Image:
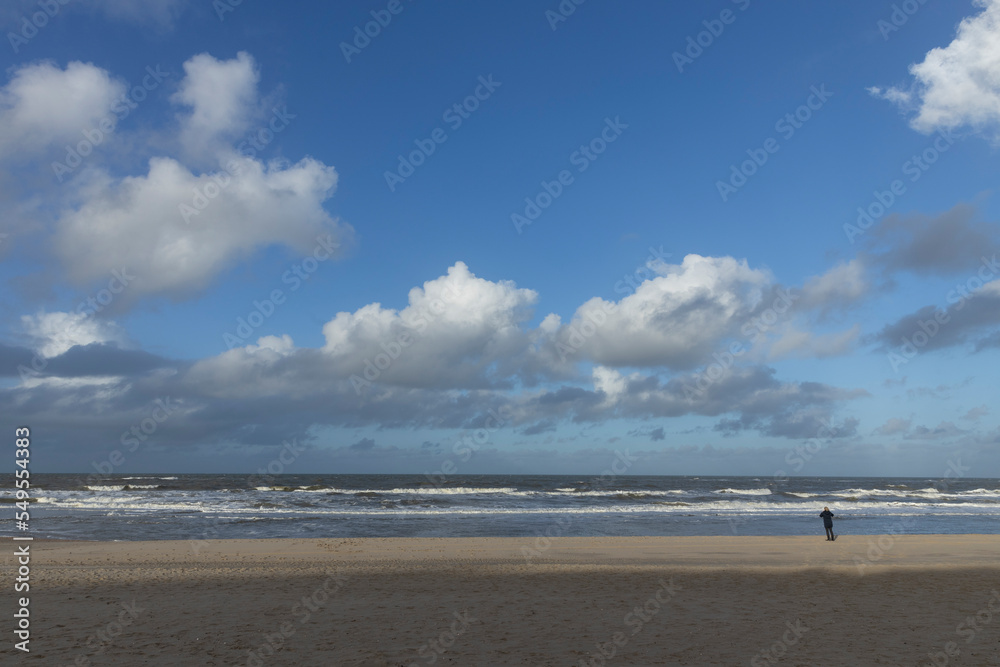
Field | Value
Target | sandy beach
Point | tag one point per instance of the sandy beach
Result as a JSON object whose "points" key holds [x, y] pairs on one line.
{"points": [[796, 601]]}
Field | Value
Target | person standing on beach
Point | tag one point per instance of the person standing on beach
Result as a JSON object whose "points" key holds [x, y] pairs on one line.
{"points": [[827, 516]]}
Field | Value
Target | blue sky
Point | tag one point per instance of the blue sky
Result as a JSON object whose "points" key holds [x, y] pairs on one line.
{"points": [[552, 235]]}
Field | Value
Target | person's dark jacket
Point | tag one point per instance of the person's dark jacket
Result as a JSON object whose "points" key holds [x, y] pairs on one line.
{"points": [[827, 518]]}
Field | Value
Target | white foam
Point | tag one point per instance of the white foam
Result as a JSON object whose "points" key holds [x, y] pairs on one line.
{"points": [[745, 492], [420, 491]]}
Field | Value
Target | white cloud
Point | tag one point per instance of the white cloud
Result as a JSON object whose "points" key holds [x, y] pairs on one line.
{"points": [[609, 381], [136, 223], [805, 344], [161, 12], [277, 345], [176, 229], [894, 426], [222, 96], [957, 85], [675, 319], [55, 333], [43, 105], [842, 285], [454, 328]]}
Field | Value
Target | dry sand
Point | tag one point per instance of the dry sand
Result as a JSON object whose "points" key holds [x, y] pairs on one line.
{"points": [[664, 600]]}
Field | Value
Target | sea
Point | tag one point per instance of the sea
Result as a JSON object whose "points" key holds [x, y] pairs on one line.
{"points": [[206, 506]]}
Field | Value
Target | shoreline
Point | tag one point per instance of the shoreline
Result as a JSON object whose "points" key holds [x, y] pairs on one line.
{"points": [[704, 551]]}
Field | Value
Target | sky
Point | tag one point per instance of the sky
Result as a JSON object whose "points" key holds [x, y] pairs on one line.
{"points": [[396, 236]]}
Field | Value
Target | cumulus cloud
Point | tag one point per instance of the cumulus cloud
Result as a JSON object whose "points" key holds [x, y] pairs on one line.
{"points": [[945, 244], [174, 227], [136, 223], [957, 85], [222, 100], [974, 310], [451, 358], [674, 320], [43, 105], [53, 334], [842, 286], [455, 328]]}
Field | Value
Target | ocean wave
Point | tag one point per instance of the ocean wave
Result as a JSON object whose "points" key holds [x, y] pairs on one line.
{"points": [[611, 493], [745, 492], [124, 487], [928, 493], [423, 490], [136, 504]]}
